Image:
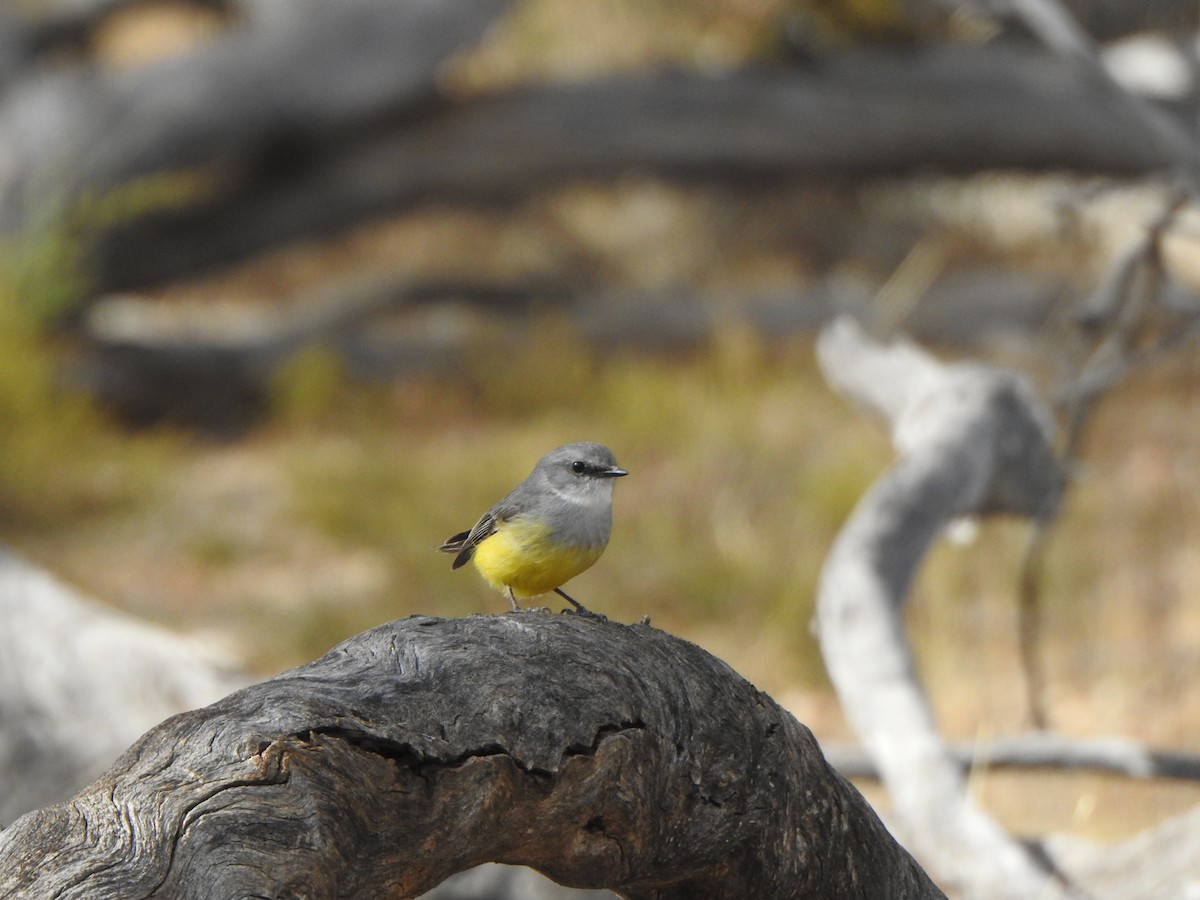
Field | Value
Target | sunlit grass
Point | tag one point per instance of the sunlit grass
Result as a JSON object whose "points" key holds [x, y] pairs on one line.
{"points": [[62, 459], [308, 388], [540, 40]]}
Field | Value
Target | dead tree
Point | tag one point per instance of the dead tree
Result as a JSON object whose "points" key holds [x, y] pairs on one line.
{"points": [[600, 754]]}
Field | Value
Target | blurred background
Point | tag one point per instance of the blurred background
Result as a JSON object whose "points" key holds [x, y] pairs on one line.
{"points": [[288, 295]]}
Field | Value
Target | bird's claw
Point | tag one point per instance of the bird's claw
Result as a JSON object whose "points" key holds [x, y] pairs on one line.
{"points": [[585, 613]]}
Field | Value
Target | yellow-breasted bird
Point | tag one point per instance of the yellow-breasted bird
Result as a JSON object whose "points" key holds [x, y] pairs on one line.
{"points": [[550, 527]]}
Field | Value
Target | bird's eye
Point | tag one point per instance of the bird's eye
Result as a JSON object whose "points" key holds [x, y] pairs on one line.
{"points": [[579, 466]]}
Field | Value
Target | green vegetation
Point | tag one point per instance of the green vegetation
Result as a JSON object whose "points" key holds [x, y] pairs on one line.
{"points": [[308, 387], [60, 457]]}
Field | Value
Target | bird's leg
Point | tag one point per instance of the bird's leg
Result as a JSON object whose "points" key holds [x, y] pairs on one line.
{"points": [[580, 609], [508, 592]]}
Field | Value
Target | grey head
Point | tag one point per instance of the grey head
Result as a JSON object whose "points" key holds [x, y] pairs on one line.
{"points": [[580, 471], [570, 487]]}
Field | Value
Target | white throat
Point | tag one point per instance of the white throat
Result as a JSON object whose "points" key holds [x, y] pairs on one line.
{"points": [[599, 494]]}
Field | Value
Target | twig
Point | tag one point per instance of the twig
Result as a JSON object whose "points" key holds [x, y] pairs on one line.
{"points": [[1043, 750]]}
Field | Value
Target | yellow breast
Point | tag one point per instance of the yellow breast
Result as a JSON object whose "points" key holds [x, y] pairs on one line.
{"points": [[521, 556]]}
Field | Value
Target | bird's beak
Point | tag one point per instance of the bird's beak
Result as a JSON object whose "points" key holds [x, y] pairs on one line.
{"points": [[613, 472]]}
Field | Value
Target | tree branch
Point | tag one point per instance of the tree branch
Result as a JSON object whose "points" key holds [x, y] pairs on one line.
{"points": [[962, 112], [302, 128]]}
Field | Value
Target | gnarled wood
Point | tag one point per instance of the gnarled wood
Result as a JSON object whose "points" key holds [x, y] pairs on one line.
{"points": [[600, 754]]}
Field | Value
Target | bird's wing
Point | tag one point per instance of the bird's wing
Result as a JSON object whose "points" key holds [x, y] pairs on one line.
{"points": [[455, 542], [465, 542]]}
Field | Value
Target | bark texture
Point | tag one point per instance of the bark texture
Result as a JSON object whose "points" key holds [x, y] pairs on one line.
{"points": [[603, 755]]}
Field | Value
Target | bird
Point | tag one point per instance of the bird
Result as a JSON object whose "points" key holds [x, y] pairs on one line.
{"points": [[548, 529]]}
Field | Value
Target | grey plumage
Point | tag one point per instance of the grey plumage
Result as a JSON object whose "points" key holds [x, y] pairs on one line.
{"points": [[557, 490], [569, 493]]}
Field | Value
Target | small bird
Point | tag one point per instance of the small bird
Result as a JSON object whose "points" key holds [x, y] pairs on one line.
{"points": [[550, 527]]}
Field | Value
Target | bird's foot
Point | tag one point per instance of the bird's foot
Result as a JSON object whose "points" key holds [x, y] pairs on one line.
{"points": [[580, 609]]}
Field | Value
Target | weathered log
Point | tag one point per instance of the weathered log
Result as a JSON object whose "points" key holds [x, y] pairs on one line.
{"points": [[600, 754], [224, 387], [313, 123]]}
